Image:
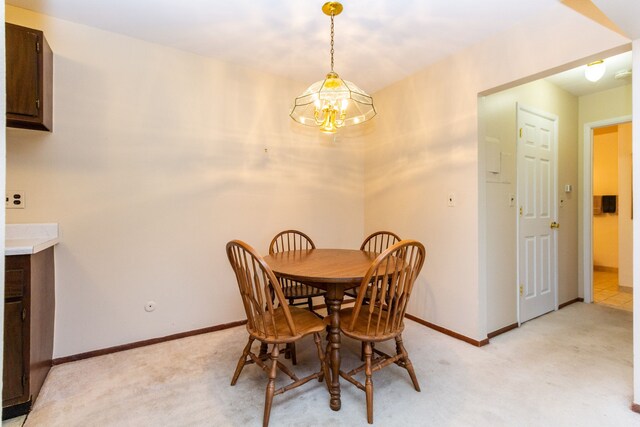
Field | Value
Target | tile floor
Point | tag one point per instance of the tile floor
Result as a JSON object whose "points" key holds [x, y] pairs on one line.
{"points": [[606, 291]]}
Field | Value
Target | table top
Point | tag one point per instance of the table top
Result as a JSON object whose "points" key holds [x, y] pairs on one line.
{"points": [[322, 266]]}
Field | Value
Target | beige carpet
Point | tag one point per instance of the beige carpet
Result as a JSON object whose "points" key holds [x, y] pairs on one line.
{"points": [[571, 367]]}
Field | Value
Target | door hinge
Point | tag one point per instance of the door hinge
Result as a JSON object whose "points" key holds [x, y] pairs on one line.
{"points": [[37, 46], [37, 104], [24, 380], [521, 290], [520, 210], [520, 132], [24, 314]]}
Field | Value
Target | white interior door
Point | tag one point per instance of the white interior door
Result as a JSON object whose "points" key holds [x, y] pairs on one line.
{"points": [[537, 240]]}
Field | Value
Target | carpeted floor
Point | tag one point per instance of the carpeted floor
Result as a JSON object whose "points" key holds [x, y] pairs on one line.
{"points": [[571, 367]]}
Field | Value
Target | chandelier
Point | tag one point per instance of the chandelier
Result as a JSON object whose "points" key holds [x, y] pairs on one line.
{"points": [[332, 103]]}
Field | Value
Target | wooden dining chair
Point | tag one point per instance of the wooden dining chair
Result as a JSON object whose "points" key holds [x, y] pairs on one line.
{"points": [[388, 284], [293, 240], [270, 324], [376, 242], [379, 241]]}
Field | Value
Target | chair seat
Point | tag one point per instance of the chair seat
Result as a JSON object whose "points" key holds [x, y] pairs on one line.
{"points": [[359, 331], [300, 290], [306, 323]]}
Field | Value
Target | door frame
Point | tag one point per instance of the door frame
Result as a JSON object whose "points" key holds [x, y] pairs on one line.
{"points": [[586, 260], [555, 118]]}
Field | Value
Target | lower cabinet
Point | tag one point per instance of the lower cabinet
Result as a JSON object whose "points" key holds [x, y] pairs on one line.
{"points": [[29, 308]]}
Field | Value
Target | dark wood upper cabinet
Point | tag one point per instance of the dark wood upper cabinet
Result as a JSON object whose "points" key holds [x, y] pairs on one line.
{"points": [[29, 79]]}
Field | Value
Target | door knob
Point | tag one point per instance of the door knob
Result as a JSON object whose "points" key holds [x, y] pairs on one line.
{"points": [[554, 225]]}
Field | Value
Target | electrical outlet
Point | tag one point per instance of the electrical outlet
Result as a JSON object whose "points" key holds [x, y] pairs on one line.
{"points": [[15, 200]]}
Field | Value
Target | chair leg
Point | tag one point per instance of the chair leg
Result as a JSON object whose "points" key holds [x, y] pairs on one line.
{"points": [[263, 351], [271, 385], [368, 385], [292, 352], [373, 346], [323, 364], [407, 363], [242, 361]]}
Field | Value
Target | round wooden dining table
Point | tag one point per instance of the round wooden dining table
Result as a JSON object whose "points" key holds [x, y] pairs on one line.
{"points": [[332, 270]]}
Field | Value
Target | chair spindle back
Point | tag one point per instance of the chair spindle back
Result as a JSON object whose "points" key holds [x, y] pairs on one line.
{"points": [[290, 240], [258, 287], [379, 241], [390, 280]]}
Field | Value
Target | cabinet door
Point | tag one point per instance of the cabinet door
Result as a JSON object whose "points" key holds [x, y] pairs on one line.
{"points": [[15, 375], [23, 92], [13, 379]]}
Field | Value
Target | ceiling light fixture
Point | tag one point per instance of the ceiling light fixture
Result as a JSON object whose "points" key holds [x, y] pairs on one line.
{"points": [[622, 74], [332, 103], [595, 70]]}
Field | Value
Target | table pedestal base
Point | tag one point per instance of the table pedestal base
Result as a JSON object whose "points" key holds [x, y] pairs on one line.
{"points": [[333, 299]]}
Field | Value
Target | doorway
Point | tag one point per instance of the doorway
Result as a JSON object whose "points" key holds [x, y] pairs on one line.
{"points": [[577, 107], [588, 193], [612, 228]]}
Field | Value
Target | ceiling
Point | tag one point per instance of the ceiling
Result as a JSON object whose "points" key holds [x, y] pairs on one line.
{"points": [[376, 42], [573, 81]]}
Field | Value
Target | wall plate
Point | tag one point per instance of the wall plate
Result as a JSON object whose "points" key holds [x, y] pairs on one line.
{"points": [[15, 200]]}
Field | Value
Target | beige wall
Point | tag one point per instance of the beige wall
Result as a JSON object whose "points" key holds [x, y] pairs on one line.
{"points": [[3, 168], [625, 221], [605, 182], [425, 146], [498, 114], [157, 159], [635, 148]]}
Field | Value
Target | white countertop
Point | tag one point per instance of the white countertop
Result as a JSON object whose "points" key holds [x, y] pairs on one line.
{"points": [[25, 239]]}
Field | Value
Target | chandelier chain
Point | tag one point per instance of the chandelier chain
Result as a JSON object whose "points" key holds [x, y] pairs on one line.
{"points": [[332, 14]]}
